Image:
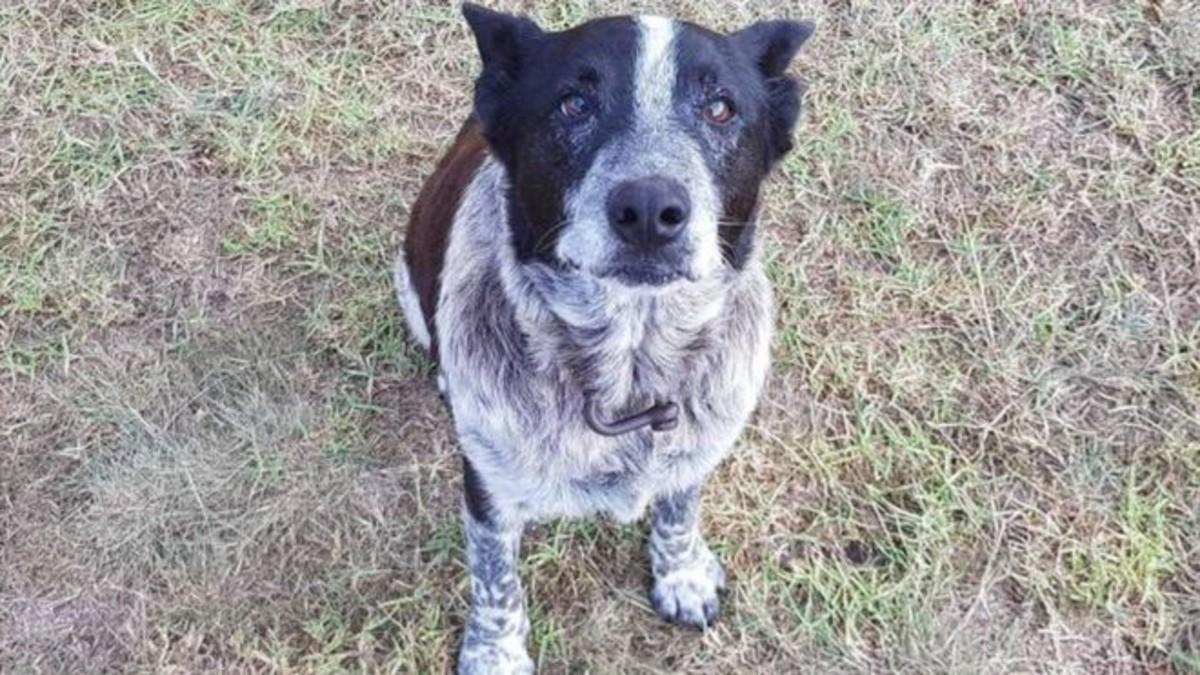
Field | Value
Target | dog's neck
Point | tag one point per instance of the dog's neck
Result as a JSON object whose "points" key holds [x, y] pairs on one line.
{"points": [[623, 345]]}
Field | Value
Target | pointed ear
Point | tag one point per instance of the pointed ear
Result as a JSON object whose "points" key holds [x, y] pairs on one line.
{"points": [[503, 39], [773, 44]]}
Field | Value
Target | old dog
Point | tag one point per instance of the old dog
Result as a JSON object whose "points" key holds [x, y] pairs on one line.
{"points": [[582, 267]]}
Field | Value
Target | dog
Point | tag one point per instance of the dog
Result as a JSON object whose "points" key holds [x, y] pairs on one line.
{"points": [[582, 268]]}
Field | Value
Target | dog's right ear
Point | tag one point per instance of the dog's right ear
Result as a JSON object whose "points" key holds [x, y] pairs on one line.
{"points": [[504, 40], [505, 45]]}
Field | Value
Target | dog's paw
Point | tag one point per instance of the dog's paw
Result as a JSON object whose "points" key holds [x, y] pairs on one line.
{"points": [[494, 658], [687, 595]]}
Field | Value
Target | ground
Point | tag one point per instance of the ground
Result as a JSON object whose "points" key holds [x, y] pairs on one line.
{"points": [[980, 446]]}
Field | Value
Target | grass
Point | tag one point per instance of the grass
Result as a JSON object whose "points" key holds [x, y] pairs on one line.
{"points": [[980, 447]]}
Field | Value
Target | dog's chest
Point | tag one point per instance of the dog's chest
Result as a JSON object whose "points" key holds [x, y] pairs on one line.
{"points": [[518, 396], [588, 472]]}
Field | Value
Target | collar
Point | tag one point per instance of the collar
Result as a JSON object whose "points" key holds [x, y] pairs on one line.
{"points": [[662, 416]]}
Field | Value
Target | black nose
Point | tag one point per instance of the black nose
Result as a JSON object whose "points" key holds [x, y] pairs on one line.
{"points": [[649, 211]]}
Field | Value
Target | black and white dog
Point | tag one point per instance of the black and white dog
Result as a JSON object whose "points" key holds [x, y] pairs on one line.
{"points": [[582, 267]]}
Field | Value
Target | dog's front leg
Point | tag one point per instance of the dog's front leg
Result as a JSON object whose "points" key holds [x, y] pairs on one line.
{"points": [[687, 575], [494, 640]]}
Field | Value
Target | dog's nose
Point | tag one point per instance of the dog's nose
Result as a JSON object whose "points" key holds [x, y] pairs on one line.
{"points": [[649, 211]]}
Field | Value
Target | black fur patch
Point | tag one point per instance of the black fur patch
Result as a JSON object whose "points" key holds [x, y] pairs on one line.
{"points": [[479, 502], [545, 151]]}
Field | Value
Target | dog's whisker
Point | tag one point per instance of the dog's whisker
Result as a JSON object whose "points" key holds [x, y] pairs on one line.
{"points": [[550, 233]]}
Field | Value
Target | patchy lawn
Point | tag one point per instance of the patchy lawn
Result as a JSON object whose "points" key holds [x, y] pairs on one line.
{"points": [[980, 450]]}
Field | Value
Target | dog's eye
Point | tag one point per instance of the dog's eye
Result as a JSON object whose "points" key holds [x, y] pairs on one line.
{"points": [[719, 111], [574, 106]]}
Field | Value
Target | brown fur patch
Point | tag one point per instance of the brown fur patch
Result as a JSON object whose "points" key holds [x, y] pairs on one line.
{"points": [[433, 216]]}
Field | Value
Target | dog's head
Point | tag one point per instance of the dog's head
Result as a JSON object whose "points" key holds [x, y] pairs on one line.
{"points": [[635, 147]]}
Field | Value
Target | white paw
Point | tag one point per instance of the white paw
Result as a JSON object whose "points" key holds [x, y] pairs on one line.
{"points": [[494, 658], [688, 595]]}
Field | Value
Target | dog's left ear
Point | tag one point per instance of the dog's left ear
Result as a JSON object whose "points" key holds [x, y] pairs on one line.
{"points": [[771, 45]]}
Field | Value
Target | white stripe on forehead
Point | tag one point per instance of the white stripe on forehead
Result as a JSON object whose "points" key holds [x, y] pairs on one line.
{"points": [[655, 82]]}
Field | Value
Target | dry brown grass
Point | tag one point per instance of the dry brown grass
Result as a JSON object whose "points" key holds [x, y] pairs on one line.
{"points": [[980, 451]]}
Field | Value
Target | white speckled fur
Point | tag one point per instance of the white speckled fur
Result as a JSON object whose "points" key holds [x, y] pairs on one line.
{"points": [[410, 304]]}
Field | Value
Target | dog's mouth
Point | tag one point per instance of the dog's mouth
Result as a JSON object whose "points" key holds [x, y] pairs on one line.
{"points": [[630, 273], [644, 274], [657, 268]]}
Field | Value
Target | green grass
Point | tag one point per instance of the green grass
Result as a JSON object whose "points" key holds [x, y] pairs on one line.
{"points": [[980, 448]]}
